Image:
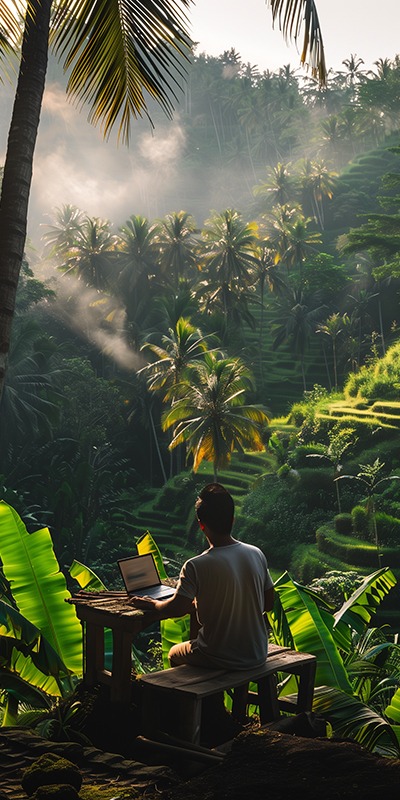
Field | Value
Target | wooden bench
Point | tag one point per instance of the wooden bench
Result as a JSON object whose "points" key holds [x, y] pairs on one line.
{"points": [[179, 691]]}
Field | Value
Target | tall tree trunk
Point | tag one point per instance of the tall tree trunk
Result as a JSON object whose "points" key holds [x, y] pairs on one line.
{"points": [[18, 164]]}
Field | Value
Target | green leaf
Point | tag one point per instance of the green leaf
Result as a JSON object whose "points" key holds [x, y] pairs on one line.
{"points": [[352, 719], [359, 608], [86, 578], [146, 544], [393, 709], [38, 586], [23, 691], [173, 631], [309, 628]]}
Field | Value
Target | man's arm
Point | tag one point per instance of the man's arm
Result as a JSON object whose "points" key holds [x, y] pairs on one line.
{"points": [[269, 599], [176, 606]]}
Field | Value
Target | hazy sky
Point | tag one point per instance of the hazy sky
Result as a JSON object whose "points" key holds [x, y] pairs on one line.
{"points": [[365, 28]]}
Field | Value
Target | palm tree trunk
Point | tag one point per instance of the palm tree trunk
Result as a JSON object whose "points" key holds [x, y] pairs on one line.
{"points": [[17, 176]]}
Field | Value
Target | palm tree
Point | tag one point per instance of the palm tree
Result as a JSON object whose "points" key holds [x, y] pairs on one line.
{"points": [[116, 52], [301, 242], [294, 323], [60, 236], [317, 183], [175, 238], [332, 327], [228, 256], [209, 414], [137, 261], [180, 349], [91, 254], [280, 188]]}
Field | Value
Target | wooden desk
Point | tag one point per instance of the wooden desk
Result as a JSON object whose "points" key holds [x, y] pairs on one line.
{"points": [[98, 611]]}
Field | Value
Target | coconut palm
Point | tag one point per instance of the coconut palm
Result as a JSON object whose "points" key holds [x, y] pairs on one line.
{"points": [[180, 348], [137, 263], [91, 255], [175, 239], [317, 183], [61, 235], [280, 187], [295, 321], [228, 257], [332, 327], [209, 414], [301, 243]]}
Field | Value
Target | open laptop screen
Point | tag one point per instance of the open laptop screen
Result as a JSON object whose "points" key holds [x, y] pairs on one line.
{"points": [[139, 572]]}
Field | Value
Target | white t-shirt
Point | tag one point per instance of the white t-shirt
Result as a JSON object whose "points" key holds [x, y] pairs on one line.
{"points": [[228, 585]]}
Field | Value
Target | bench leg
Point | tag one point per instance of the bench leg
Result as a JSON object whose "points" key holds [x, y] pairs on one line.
{"points": [[239, 704], [166, 712], [267, 699], [305, 692]]}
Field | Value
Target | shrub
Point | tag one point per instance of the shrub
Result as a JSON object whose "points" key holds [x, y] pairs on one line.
{"points": [[299, 457], [336, 586], [361, 521], [388, 528], [343, 523]]}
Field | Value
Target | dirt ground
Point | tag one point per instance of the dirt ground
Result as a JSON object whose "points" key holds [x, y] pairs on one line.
{"points": [[256, 763], [267, 763]]}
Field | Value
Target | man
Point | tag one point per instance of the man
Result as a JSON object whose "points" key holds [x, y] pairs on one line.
{"points": [[230, 587]]}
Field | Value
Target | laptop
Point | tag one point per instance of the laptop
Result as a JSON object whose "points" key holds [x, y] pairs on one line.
{"points": [[140, 576]]}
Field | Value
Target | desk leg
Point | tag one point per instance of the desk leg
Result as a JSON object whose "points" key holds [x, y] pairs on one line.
{"points": [[121, 689], [93, 653]]}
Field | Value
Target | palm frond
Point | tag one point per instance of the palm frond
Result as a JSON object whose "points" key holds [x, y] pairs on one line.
{"points": [[119, 50]]}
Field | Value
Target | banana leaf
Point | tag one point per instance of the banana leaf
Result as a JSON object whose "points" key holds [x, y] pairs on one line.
{"points": [[86, 578], [350, 718], [38, 586], [393, 709], [173, 631], [310, 633], [16, 631], [146, 544], [24, 692], [359, 608]]}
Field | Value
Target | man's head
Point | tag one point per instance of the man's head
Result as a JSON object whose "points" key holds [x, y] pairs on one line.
{"points": [[215, 509]]}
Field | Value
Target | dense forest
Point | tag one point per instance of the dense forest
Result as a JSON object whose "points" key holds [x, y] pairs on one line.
{"points": [[255, 340], [294, 284]]}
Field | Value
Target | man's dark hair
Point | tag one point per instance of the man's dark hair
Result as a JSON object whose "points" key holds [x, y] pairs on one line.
{"points": [[215, 508]]}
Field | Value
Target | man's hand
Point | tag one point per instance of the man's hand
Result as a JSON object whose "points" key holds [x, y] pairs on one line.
{"points": [[144, 603], [175, 606]]}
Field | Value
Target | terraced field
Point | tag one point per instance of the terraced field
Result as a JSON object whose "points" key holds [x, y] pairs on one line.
{"points": [[174, 535]]}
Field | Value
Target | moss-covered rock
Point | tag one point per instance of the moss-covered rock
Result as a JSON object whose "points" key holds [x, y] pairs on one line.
{"points": [[50, 769], [58, 791]]}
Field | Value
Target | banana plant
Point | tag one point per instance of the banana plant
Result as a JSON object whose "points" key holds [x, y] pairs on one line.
{"points": [[343, 694], [40, 635]]}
